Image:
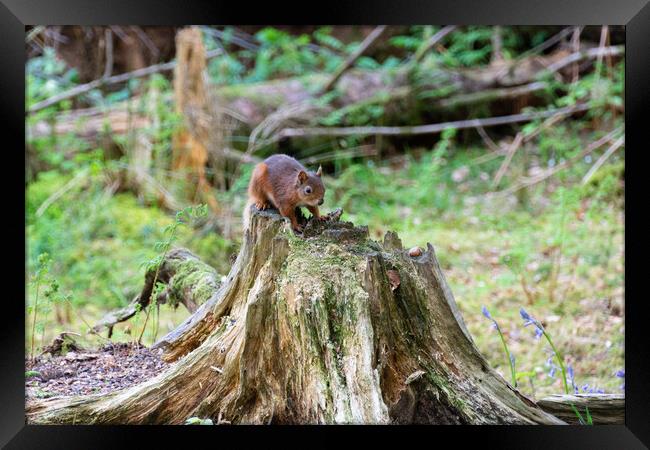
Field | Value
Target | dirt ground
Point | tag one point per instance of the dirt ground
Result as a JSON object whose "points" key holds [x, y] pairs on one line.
{"points": [[113, 367]]}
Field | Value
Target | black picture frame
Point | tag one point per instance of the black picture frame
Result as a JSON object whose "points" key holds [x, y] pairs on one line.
{"points": [[634, 14]]}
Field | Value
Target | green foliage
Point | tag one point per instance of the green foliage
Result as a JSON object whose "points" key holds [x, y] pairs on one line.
{"points": [[47, 75], [470, 48], [170, 232], [183, 217], [198, 421], [282, 55], [47, 290]]}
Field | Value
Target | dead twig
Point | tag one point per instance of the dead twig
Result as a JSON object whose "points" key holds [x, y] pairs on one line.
{"points": [[108, 43], [146, 40], [367, 42], [575, 46], [31, 35], [537, 49], [549, 173], [610, 151], [547, 43], [83, 88], [422, 129], [362, 150], [520, 138], [497, 44], [77, 179], [516, 143], [436, 38], [488, 140]]}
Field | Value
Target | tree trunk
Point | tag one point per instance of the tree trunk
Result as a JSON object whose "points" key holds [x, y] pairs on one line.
{"points": [[328, 327]]}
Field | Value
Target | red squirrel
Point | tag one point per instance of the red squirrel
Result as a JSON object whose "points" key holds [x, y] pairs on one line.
{"points": [[283, 183]]}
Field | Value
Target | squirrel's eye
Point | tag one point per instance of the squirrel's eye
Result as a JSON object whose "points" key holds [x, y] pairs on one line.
{"points": [[308, 190]]}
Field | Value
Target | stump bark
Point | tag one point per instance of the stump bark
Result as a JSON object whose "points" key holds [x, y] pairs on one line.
{"points": [[327, 327]]}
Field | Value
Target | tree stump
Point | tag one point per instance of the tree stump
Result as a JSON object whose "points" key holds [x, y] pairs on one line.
{"points": [[327, 327]]}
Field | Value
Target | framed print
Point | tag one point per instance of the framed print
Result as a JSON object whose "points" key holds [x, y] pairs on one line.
{"points": [[377, 214]]}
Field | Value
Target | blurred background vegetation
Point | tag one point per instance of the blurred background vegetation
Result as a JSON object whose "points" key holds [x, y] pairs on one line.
{"points": [[128, 125]]}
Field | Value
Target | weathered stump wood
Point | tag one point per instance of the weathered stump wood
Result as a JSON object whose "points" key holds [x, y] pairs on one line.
{"points": [[328, 327], [605, 409]]}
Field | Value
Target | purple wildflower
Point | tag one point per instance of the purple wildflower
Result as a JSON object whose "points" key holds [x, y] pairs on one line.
{"points": [[551, 373], [487, 314], [572, 378], [621, 374], [528, 320], [585, 387]]}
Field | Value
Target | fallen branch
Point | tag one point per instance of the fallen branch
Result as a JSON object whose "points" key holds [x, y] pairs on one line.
{"points": [[253, 103], [605, 409], [489, 95], [367, 42], [422, 129], [187, 279], [83, 88], [585, 54]]}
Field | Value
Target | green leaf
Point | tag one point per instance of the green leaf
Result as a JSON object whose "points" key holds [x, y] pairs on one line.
{"points": [[198, 421]]}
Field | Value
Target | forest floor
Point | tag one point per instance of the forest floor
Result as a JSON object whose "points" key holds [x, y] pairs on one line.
{"points": [[112, 367]]}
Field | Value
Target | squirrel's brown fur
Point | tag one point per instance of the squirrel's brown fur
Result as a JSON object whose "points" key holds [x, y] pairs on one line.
{"points": [[283, 183]]}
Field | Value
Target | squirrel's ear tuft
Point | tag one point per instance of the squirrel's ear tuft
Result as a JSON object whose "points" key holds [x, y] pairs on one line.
{"points": [[319, 172], [302, 176]]}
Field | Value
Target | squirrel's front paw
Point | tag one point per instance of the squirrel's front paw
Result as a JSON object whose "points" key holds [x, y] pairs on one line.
{"points": [[298, 228], [261, 206]]}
